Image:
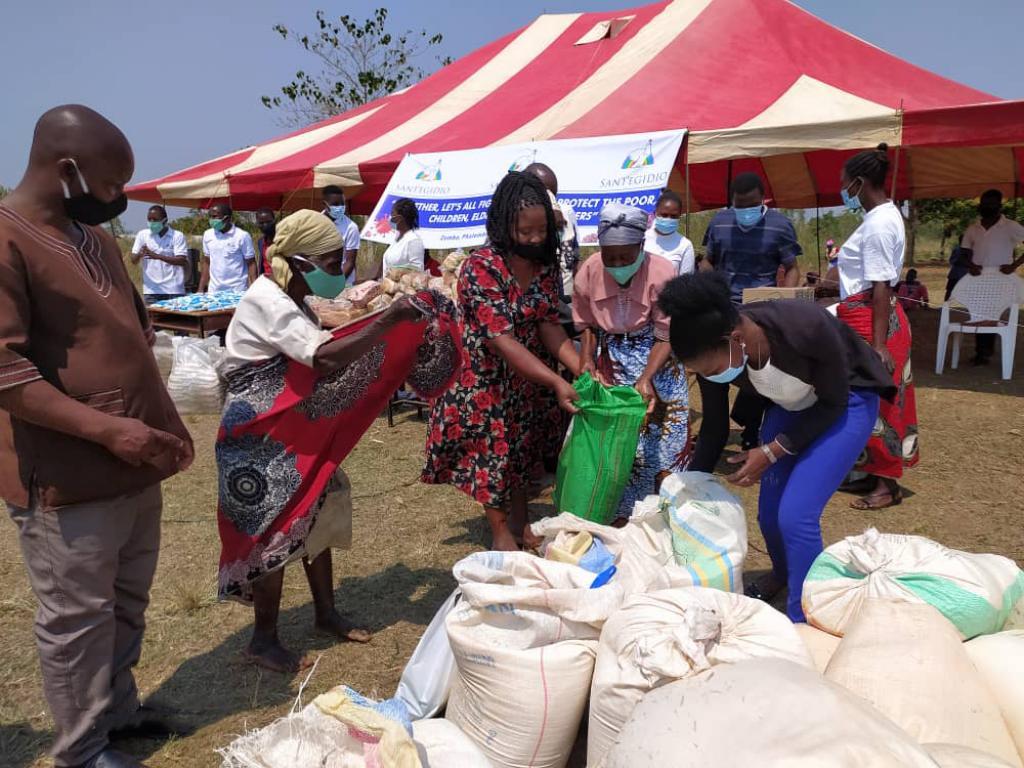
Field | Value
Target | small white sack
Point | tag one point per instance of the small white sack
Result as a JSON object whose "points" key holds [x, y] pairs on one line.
{"points": [[441, 744], [163, 351], [955, 756], [909, 662], [671, 635], [975, 592], [195, 384], [709, 529], [821, 645], [999, 660], [768, 713], [428, 676]]}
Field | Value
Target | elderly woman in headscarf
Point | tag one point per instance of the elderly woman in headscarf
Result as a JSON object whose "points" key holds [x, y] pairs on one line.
{"points": [[625, 341], [299, 398]]}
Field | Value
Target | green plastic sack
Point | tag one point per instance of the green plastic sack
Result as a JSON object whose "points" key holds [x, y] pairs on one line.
{"points": [[597, 458]]}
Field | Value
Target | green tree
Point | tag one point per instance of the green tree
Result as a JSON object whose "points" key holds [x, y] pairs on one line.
{"points": [[359, 61], [4, 191]]}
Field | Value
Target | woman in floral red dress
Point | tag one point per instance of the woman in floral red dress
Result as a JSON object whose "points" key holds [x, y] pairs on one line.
{"points": [[490, 431]]}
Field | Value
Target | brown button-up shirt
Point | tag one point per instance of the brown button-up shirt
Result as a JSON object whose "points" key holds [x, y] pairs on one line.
{"points": [[72, 317]]}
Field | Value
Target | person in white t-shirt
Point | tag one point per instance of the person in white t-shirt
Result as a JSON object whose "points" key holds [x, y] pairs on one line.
{"points": [[870, 264], [407, 250], [164, 255], [664, 238], [988, 243], [334, 209], [229, 258]]}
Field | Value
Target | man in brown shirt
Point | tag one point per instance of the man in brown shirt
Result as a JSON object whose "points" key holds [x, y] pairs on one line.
{"points": [[87, 430]]}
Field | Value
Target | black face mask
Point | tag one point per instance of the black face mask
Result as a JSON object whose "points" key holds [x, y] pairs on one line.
{"points": [[268, 230], [989, 211], [535, 252], [86, 208]]}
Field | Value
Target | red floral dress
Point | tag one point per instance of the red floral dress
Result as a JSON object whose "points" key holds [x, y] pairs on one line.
{"points": [[492, 431]]}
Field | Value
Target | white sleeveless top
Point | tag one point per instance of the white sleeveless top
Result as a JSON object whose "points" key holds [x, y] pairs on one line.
{"points": [[786, 391]]}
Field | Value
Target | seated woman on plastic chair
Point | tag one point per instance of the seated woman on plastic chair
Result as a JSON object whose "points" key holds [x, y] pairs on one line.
{"points": [[824, 384]]}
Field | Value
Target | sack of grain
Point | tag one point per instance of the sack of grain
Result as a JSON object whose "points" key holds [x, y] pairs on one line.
{"points": [[519, 693], [975, 592], [999, 659], [955, 756], [709, 529], [642, 548], [909, 662], [163, 351], [661, 637], [821, 645], [441, 744], [769, 713], [195, 384]]}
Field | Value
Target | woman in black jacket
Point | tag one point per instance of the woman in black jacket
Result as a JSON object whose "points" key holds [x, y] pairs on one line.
{"points": [[824, 383]]}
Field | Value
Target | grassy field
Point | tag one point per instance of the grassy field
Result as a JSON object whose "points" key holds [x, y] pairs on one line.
{"points": [[965, 493]]}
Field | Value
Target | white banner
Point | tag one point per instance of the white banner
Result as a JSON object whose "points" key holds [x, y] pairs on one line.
{"points": [[452, 190]]}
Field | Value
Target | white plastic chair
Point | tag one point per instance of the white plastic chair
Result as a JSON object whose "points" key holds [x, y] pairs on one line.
{"points": [[986, 297]]}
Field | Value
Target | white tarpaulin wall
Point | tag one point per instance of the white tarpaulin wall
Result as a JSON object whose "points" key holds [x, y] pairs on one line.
{"points": [[452, 190]]}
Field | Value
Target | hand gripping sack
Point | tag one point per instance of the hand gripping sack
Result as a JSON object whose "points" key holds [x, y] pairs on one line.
{"points": [[524, 640], [910, 663], [975, 592], [597, 458], [709, 529], [665, 636], [427, 677], [999, 659], [768, 713]]}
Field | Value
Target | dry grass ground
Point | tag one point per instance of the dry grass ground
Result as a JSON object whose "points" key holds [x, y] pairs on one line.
{"points": [[965, 493]]}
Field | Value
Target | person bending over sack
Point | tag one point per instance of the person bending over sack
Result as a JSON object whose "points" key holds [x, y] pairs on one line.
{"points": [[823, 383], [299, 398]]}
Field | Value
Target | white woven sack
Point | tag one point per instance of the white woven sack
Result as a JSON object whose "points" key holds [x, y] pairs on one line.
{"points": [[821, 645], [910, 663], [661, 637], [441, 744], [955, 756], [977, 593], [708, 529], [768, 713], [517, 695], [304, 738], [999, 659]]}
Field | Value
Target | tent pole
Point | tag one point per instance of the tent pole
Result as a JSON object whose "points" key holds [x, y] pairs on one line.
{"points": [[686, 164], [728, 185], [895, 171], [817, 234]]}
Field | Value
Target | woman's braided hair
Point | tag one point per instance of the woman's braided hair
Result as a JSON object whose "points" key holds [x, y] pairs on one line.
{"points": [[872, 165], [515, 192]]}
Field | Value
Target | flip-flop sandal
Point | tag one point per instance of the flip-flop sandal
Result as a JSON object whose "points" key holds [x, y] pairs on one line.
{"points": [[866, 503]]}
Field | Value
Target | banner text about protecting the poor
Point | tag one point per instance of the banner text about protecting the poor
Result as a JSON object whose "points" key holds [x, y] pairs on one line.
{"points": [[452, 190]]}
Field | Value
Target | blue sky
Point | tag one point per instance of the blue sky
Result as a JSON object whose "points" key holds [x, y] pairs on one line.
{"points": [[183, 79]]}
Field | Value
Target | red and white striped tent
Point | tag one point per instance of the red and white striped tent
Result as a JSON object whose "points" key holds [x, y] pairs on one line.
{"points": [[759, 84]]}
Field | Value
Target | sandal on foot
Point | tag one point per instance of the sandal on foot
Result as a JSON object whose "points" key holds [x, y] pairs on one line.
{"points": [[873, 501]]}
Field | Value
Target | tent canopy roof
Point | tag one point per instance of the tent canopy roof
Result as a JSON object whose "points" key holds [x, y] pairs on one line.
{"points": [[816, 94]]}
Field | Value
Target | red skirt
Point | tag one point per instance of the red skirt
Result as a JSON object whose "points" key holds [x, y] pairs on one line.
{"points": [[893, 444]]}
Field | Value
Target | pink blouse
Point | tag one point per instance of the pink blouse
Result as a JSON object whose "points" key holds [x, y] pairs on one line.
{"points": [[599, 303]]}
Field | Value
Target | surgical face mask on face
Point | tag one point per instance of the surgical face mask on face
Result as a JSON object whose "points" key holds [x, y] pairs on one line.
{"points": [[623, 275], [219, 225], [88, 209], [156, 227], [336, 211], [665, 225], [322, 284], [852, 202], [748, 217], [730, 373], [989, 211]]}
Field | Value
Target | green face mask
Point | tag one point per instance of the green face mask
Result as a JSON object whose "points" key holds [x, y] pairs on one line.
{"points": [[323, 284], [156, 227], [219, 225], [623, 275]]}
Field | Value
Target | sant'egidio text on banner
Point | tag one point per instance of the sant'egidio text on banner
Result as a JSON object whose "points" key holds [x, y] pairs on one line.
{"points": [[452, 190]]}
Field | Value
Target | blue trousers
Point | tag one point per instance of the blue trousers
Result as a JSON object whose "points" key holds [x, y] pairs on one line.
{"points": [[794, 492]]}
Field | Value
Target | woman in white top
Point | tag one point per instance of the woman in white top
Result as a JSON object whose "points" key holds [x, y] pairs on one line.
{"points": [[407, 250], [870, 264], [299, 398], [664, 238]]}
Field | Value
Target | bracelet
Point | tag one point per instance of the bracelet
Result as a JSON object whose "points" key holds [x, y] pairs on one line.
{"points": [[769, 454]]}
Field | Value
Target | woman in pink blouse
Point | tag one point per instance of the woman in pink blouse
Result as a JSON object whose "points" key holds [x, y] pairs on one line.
{"points": [[624, 341]]}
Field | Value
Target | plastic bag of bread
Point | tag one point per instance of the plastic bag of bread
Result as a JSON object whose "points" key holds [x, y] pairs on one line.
{"points": [[389, 286], [407, 278], [381, 302], [361, 295], [421, 280], [436, 284]]}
